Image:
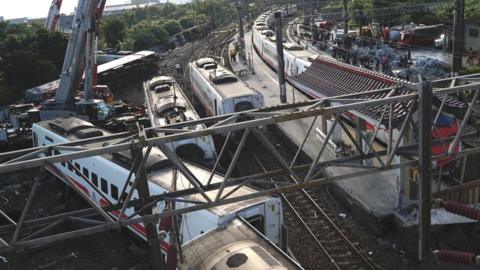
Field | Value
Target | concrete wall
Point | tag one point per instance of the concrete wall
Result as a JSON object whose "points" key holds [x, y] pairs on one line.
{"points": [[472, 36]]}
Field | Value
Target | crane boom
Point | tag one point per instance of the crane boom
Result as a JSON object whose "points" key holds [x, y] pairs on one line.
{"points": [[53, 17], [72, 69], [91, 52]]}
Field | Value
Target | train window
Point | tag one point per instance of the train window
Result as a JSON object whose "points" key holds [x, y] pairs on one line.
{"points": [[114, 191], [78, 170], [104, 185], [215, 103], [56, 152], [85, 172], [95, 179], [70, 166], [49, 139], [257, 222]]}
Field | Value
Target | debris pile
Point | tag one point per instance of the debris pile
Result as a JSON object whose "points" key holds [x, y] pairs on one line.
{"points": [[429, 69]]}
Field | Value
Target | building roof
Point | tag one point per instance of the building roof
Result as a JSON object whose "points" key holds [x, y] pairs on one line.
{"points": [[329, 77]]}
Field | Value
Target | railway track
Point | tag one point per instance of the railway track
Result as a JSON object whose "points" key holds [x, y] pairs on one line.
{"points": [[216, 41], [312, 217], [210, 46]]}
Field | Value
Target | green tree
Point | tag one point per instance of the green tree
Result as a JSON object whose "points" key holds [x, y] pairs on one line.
{"points": [[27, 69], [144, 35], [472, 8], [187, 22], [168, 9], [201, 19], [114, 31], [172, 27], [180, 12], [51, 46], [29, 56]]}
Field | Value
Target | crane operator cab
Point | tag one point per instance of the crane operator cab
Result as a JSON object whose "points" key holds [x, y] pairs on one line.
{"points": [[92, 110]]}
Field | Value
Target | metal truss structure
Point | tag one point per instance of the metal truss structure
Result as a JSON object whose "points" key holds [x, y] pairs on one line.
{"points": [[31, 233]]}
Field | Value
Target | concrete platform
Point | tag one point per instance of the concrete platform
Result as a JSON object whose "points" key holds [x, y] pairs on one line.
{"points": [[372, 198]]}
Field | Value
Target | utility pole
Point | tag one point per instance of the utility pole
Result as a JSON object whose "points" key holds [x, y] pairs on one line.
{"points": [[458, 33], [280, 64], [424, 165], [345, 24], [241, 35]]}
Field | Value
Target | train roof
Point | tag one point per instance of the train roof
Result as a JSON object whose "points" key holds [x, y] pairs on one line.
{"points": [[303, 54], [115, 64], [159, 168], [227, 88], [158, 101], [236, 246]]}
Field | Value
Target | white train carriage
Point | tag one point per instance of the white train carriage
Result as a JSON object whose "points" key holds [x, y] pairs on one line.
{"points": [[296, 62], [235, 246], [220, 91], [296, 58], [167, 104], [102, 178]]}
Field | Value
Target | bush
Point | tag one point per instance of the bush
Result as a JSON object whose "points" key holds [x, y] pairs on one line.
{"points": [[9, 94], [469, 70]]}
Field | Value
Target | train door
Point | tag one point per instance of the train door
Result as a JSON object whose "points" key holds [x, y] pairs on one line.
{"points": [[273, 219], [228, 106]]}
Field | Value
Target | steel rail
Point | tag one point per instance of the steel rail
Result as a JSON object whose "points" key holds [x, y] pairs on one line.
{"points": [[290, 205], [365, 259]]}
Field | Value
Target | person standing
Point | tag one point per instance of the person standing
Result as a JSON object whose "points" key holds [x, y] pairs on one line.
{"points": [[470, 56]]}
